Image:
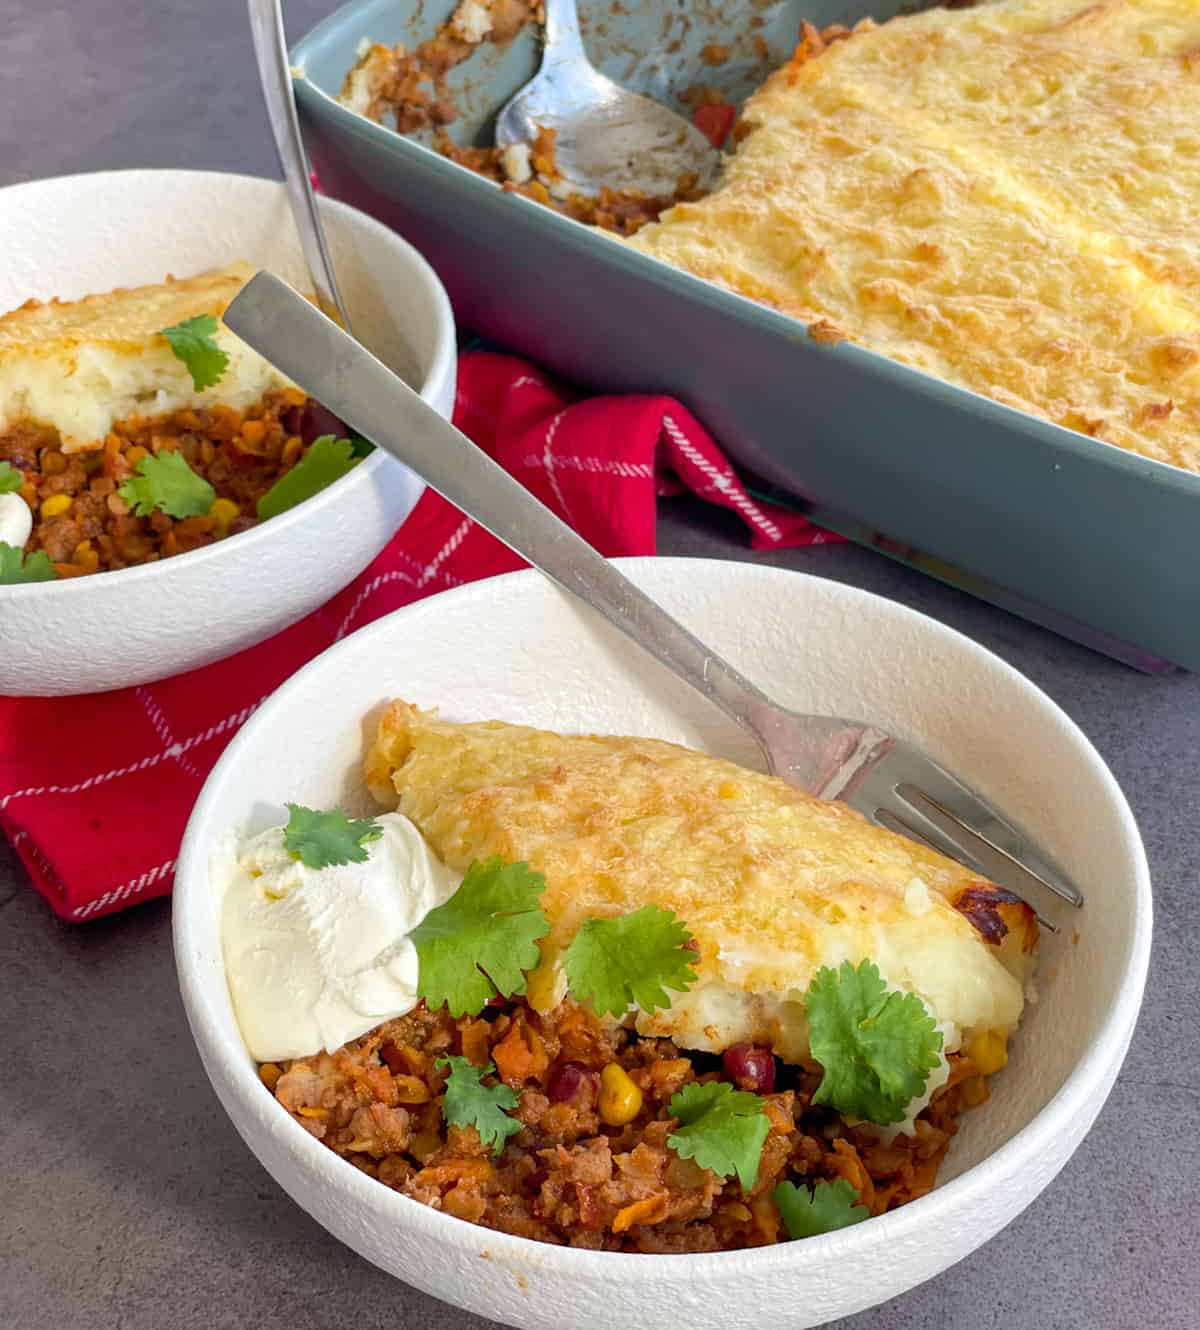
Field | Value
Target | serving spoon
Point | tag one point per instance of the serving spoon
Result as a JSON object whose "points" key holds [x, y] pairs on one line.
{"points": [[892, 782], [605, 134], [274, 75]]}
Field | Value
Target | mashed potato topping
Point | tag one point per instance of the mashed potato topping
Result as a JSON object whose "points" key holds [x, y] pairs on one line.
{"points": [[773, 883], [78, 367], [1004, 196]]}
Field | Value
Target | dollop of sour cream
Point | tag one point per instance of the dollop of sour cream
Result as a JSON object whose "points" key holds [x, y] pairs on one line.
{"points": [[316, 957], [16, 520]]}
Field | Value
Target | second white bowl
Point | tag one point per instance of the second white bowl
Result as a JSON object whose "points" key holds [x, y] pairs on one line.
{"points": [[75, 235]]}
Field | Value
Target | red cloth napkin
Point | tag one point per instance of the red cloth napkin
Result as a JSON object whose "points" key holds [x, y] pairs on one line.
{"points": [[95, 791]]}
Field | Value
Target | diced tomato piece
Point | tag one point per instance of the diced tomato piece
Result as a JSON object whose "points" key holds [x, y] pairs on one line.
{"points": [[715, 122]]}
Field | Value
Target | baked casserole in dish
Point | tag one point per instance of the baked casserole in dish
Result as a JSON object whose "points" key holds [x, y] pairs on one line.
{"points": [[944, 295]]}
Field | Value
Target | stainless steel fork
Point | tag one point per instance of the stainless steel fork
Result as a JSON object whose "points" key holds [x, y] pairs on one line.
{"points": [[892, 782]]}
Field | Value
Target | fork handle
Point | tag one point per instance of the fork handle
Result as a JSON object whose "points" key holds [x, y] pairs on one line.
{"points": [[335, 369]]}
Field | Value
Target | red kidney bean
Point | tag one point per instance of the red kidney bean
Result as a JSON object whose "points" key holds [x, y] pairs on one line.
{"points": [[750, 1068], [318, 421], [567, 1081], [311, 421]]}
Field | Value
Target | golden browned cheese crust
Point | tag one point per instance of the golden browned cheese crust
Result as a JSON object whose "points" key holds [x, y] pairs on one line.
{"points": [[772, 883], [1004, 196], [122, 319]]}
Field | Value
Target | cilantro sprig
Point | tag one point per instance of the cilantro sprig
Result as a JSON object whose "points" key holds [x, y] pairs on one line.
{"points": [[628, 961], [326, 839], [11, 478], [16, 567], [877, 1047], [165, 482], [470, 1103], [482, 940], [194, 342], [721, 1128], [827, 1206], [328, 459]]}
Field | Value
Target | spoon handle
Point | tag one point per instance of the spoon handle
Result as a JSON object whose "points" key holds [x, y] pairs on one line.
{"points": [[315, 353], [562, 40], [274, 73]]}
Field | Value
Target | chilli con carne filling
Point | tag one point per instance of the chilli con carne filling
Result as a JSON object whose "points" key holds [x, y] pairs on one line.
{"points": [[569, 1176], [83, 523]]}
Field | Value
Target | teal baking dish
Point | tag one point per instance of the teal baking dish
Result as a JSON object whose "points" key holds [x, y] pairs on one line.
{"points": [[1096, 543]]}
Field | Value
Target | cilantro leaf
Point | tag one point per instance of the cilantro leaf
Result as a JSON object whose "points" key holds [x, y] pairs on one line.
{"points": [[482, 939], [628, 961], [826, 1207], [470, 1103], [15, 567], [323, 840], [194, 342], [877, 1047], [328, 459], [167, 483], [721, 1128], [11, 479]]}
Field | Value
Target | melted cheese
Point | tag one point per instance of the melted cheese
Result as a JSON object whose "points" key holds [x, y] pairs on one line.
{"points": [[772, 883], [1003, 196], [81, 366]]}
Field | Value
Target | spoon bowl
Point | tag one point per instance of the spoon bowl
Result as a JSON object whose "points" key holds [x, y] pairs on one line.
{"points": [[606, 136]]}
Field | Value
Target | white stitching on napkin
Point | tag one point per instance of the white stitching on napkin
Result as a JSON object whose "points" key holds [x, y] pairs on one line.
{"points": [[722, 482]]}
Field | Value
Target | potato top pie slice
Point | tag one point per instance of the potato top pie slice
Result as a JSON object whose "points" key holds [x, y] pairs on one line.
{"points": [[772, 883]]}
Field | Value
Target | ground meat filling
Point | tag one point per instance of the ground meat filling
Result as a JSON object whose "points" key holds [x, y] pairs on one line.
{"points": [[409, 87], [240, 454], [567, 1177]]}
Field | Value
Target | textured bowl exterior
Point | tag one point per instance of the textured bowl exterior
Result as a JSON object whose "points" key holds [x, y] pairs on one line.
{"points": [[1089, 540], [122, 228], [814, 645]]}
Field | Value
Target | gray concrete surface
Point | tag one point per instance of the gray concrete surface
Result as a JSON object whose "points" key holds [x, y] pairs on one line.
{"points": [[127, 1200]]}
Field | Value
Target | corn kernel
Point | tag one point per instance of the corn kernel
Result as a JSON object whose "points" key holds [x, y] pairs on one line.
{"points": [[975, 1091], [253, 431], [86, 557], [136, 454], [56, 505], [310, 1112], [291, 449], [222, 512], [989, 1052], [620, 1099]]}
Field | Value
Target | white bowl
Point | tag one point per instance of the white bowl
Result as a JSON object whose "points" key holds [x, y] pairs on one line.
{"points": [[516, 649], [88, 233]]}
